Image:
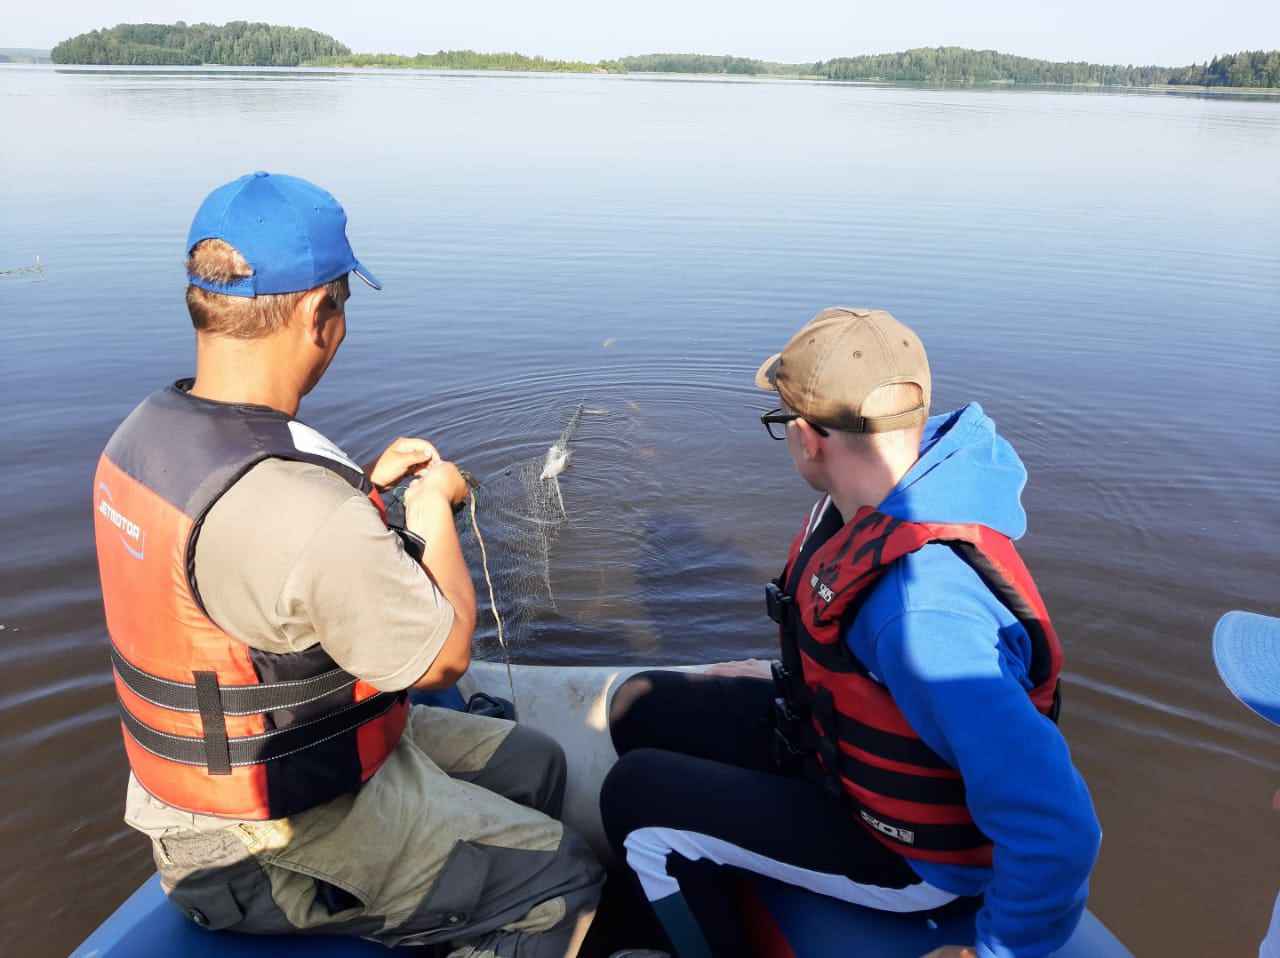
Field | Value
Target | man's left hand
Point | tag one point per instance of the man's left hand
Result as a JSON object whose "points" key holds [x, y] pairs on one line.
{"points": [[402, 457], [744, 668]]}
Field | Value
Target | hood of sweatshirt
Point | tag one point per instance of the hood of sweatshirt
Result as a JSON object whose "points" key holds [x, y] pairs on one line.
{"points": [[966, 473]]}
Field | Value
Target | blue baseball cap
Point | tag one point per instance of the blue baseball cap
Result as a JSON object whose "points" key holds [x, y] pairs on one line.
{"points": [[291, 233], [1246, 650]]}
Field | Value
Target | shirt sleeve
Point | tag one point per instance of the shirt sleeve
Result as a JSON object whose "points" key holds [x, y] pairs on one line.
{"points": [[965, 696], [370, 605], [292, 556]]}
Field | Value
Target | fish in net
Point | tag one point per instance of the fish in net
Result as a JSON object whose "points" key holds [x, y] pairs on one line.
{"points": [[508, 533]]}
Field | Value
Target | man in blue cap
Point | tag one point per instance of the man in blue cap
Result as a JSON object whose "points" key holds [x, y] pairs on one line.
{"points": [[267, 624], [1246, 650]]}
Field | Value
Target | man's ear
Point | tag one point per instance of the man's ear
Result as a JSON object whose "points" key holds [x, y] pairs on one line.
{"points": [[810, 441], [313, 310]]}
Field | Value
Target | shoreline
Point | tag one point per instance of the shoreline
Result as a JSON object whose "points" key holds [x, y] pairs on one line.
{"points": [[1173, 89]]}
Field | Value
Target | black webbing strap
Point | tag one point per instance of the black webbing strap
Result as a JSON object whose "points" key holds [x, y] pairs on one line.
{"points": [[823, 707], [414, 545], [781, 607], [214, 723], [264, 747], [901, 785], [236, 699], [890, 745]]}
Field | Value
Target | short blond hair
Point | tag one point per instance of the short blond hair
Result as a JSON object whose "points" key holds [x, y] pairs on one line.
{"points": [[240, 317], [889, 400]]}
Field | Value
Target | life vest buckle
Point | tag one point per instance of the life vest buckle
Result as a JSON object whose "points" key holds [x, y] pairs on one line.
{"points": [[783, 680], [777, 603], [787, 735]]}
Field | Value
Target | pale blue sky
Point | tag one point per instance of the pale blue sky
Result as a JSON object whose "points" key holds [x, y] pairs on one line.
{"points": [[1161, 32]]}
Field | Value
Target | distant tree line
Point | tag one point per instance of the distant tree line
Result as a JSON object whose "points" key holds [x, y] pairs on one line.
{"points": [[961, 65], [258, 44], [649, 63], [461, 60], [238, 43], [23, 55], [702, 63]]}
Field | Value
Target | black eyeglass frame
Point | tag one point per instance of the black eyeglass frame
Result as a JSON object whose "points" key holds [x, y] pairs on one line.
{"points": [[778, 417]]}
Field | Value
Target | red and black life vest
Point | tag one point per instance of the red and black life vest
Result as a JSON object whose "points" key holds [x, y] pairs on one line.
{"points": [[833, 710], [212, 725]]}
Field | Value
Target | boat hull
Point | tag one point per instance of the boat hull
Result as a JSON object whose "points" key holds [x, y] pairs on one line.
{"points": [[571, 704]]}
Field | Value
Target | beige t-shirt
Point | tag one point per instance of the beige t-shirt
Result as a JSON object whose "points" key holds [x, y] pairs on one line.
{"points": [[293, 555]]}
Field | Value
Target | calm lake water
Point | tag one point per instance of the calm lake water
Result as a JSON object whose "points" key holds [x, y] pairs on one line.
{"points": [[1101, 271]]}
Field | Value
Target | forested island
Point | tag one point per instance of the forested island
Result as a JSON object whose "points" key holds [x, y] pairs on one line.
{"points": [[240, 43]]}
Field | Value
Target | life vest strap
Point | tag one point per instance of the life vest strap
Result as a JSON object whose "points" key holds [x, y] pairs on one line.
{"points": [[789, 749], [826, 753], [889, 745], [235, 699], [214, 722], [796, 698], [907, 836], [264, 747], [899, 785], [414, 545]]}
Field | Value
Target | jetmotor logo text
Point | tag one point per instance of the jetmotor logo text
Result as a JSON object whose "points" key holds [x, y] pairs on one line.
{"points": [[132, 537]]}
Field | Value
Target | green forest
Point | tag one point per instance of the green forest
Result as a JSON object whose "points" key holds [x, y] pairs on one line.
{"points": [[240, 43], [460, 60], [959, 65], [702, 63], [236, 44]]}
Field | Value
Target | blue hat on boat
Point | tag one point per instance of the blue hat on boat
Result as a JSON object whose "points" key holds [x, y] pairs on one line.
{"points": [[291, 233], [1246, 649]]}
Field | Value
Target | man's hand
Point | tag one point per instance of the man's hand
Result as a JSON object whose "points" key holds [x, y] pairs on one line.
{"points": [[746, 668], [441, 478], [402, 457], [953, 951]]}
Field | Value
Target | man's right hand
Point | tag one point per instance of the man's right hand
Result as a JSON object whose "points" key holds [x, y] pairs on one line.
{"points": [[440, 478], [428, 511]]}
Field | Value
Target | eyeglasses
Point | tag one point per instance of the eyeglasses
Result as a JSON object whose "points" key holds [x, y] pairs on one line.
{"points": [[775, 423]]}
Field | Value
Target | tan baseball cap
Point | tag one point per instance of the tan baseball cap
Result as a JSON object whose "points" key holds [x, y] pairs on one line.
{"points": [[838, 359]]}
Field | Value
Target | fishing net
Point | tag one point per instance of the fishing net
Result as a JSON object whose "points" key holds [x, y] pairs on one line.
{"points": [[508, 536]]}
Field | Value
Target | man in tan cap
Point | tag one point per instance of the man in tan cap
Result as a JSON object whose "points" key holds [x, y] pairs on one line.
{"points": [[905, 755]]}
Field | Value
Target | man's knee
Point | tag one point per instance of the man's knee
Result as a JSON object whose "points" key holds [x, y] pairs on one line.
{"points": [[530, 768], [626, 711], [629, 790]]}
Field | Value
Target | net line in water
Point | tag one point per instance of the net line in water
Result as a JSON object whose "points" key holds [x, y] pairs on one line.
{"points": [[520, 511], [26, 270]]}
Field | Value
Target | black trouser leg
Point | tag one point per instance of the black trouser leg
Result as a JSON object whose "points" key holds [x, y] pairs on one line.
{"points": [[695, 795]]}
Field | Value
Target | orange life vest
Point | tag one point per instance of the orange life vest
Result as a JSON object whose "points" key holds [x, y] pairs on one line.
{"points": [[212, 725], [832, 709]]}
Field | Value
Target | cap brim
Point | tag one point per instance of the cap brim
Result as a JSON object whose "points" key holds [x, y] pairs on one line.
{"points": [[1246, 650], [767, 374], [365, 275]]}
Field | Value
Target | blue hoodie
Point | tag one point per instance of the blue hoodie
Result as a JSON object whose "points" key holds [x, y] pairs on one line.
{"points": [[955, 660]]}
